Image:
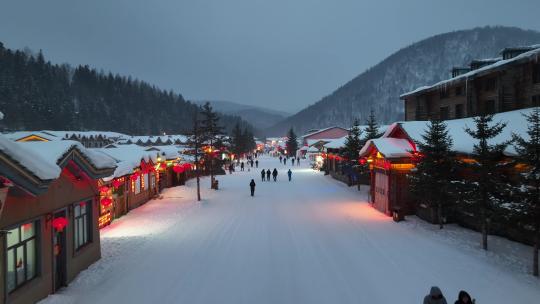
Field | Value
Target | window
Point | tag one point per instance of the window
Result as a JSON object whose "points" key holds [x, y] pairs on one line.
{"points": [[459, 111], [146, 185], [81, 224], [443, 113], [490, 107], [536, 73], [536, 101], [137, 183], [153, 181], [21, 255], [459, 91]]}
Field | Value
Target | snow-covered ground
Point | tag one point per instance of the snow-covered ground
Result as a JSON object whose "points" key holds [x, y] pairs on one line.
{"points": [[312, 240]]}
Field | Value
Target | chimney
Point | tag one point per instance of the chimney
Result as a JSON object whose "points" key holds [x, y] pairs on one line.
{"points": [[511, 52], [456, 71]]}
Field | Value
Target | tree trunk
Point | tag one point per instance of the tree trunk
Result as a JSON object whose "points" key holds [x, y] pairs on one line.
{"points": [[198, 187], [211, 166], [439, 215], [484, 231], [535, 253]]}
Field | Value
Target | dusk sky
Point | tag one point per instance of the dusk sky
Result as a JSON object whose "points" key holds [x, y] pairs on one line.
{"points": [[278, 54]]}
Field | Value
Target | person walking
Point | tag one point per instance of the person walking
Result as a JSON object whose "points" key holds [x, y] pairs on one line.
{"points": [[292, 160], [242, 166], [285, 161], [231, 167], [435, 296], [274, 174], [464, 298], [280, 158], [289, 173], [252, 187], [263, 174], [268, 175], [252, 163], [257, 163], [298, 161]]}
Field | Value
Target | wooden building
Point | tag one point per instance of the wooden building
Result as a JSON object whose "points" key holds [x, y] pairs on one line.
{"points": [[487, 86], [49, 216], [392, 156]]}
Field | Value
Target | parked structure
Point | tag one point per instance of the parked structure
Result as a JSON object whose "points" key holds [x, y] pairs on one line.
{"points": [[487, 86], [49, 215]]}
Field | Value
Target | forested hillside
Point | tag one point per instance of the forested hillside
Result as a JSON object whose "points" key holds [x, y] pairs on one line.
{"points": [[35, 94]]}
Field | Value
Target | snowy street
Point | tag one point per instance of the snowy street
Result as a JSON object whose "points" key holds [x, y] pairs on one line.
{"points": [[312, 240]]}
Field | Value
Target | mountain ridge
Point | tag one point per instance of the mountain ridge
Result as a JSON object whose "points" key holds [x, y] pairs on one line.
{"points": [[421, 63]]}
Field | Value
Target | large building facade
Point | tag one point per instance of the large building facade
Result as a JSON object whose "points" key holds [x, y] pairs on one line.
{"points": [[502, 84]]}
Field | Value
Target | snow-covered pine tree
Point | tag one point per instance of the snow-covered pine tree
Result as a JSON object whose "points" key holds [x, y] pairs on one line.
{"points": [[292, 143], [372, 128], [484, 187], [528, 190], [432, 178]]}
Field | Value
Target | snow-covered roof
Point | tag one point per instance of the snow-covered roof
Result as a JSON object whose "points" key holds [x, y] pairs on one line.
{"points": [[532, 54], [106, 134], [389, 147], [22, 134], [169, 152], [54, 151], [463, 142], [336, 143], [156, 139], [321, 130], [33, 161], [128, 157]]}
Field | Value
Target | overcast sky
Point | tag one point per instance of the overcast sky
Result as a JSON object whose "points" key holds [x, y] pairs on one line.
{"points": [[282, 54]]}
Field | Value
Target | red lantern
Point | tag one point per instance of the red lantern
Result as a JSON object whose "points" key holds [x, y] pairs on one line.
{"points": [[116, 183], [106, 201], [104, 189], [163, 166], [178, 169], [363, 161], [59, 223], [187, 167], [134, 176]]}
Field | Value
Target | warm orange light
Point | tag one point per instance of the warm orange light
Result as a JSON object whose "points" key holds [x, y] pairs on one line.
{"points": [[402, 167]]}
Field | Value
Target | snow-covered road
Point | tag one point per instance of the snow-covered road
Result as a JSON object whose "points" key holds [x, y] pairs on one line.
{"points": [[312, 240]]}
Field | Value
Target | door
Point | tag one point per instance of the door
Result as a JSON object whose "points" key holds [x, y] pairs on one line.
{"points": [[381, 192], [59, 253]]}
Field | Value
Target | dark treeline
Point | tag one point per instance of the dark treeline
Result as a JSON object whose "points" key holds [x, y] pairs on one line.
{"points": [[36, 95]]}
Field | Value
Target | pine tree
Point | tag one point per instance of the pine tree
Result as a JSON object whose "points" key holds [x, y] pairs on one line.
{"points": [[195, 142], [372, 129], [432, 178], [237, 140], [484, 188], [353, 142], [292, 143], [529, 188], [211, 129]]}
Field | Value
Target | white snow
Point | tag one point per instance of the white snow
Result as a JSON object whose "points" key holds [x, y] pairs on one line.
{"points": [[127, 157], [389, 147], [516, 123], [53, 151], [43, 168], [312, 240]]}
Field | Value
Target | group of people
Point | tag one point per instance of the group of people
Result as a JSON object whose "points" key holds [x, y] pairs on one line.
{"points": [[265, 176], [293, 159], [436, 296]]}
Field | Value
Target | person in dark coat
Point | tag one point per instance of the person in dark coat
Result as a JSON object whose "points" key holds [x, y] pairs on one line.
{"points": [[284, 161], [464, 298], [252, 187], [263, 174], [280, 158], [274, 174], [292, 160], [435, 296], [242, 166], [298, 161], [268, 175], [251, 163], [289, 173], [257, 163], [231, 167]]}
